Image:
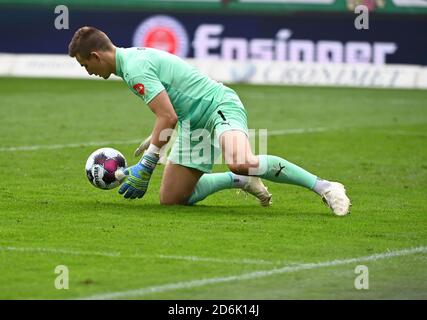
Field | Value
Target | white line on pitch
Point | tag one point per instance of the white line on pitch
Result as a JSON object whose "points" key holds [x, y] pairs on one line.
{"points": [[297, 131], [219, 260], [105, 143], [61, 251], [124, 142], [251, 275], [64, 146], [405, 133], [137, 256]]}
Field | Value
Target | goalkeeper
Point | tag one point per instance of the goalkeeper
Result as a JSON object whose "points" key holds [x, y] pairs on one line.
{"points": [[181, 96]]}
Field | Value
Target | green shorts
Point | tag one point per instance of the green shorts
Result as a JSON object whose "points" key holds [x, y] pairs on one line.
{"points": [[198, 147]]}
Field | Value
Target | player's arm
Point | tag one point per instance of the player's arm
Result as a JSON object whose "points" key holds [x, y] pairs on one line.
{"points": [[138, 176], [166, 119], [161, 106]]}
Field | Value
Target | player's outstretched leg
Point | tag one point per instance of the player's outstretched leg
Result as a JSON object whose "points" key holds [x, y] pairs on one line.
{"points": [[279, 170], [186, 186], [240, 159], [213, 182]]}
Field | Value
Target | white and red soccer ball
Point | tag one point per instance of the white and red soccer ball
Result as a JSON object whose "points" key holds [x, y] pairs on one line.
{"points": [[102, 166]]}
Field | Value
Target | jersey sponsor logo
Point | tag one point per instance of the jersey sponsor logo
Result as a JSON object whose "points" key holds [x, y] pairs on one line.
{"points": [[164, 33], [139, 87]]}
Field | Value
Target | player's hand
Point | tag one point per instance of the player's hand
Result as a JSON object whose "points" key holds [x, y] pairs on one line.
{"points": [[138, 177], [144, 146]]}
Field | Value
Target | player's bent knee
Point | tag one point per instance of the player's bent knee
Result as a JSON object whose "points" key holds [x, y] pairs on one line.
{"points": [[241, 169], [169, 200]]}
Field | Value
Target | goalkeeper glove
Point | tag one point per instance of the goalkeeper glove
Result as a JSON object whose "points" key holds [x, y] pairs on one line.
{"points": [[138, 176]]}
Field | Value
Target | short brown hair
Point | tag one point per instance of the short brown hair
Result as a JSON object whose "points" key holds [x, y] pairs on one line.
{"points": [[88, 39]]}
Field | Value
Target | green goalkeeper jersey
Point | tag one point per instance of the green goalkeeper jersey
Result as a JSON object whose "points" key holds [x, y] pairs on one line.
{"points": [[149, 71]]}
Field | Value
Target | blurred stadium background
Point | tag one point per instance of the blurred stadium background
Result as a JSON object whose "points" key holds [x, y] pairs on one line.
{"points": [[289, 60], [317, 38]]}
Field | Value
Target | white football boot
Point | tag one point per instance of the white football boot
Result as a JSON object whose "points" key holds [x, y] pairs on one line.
{"points": [[336, 199], [255, 187]]}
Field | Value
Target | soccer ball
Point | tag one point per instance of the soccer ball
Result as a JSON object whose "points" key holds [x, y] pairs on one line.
{"points": [[101, 168]]}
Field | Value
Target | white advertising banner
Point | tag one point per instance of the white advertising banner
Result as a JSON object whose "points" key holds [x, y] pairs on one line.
{"points": [[410, 3], [231, 71], [316, 74], [292, 1], [41, 65]]}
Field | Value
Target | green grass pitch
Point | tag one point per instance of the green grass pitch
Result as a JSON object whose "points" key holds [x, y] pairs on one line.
{"points": [[227, 246]]}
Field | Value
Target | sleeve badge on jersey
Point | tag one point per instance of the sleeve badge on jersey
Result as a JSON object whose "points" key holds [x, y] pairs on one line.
{"points": [[139, 87]]}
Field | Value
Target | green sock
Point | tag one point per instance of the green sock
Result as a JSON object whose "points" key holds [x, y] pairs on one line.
{"points": [[279, 170], [211, 183]]}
